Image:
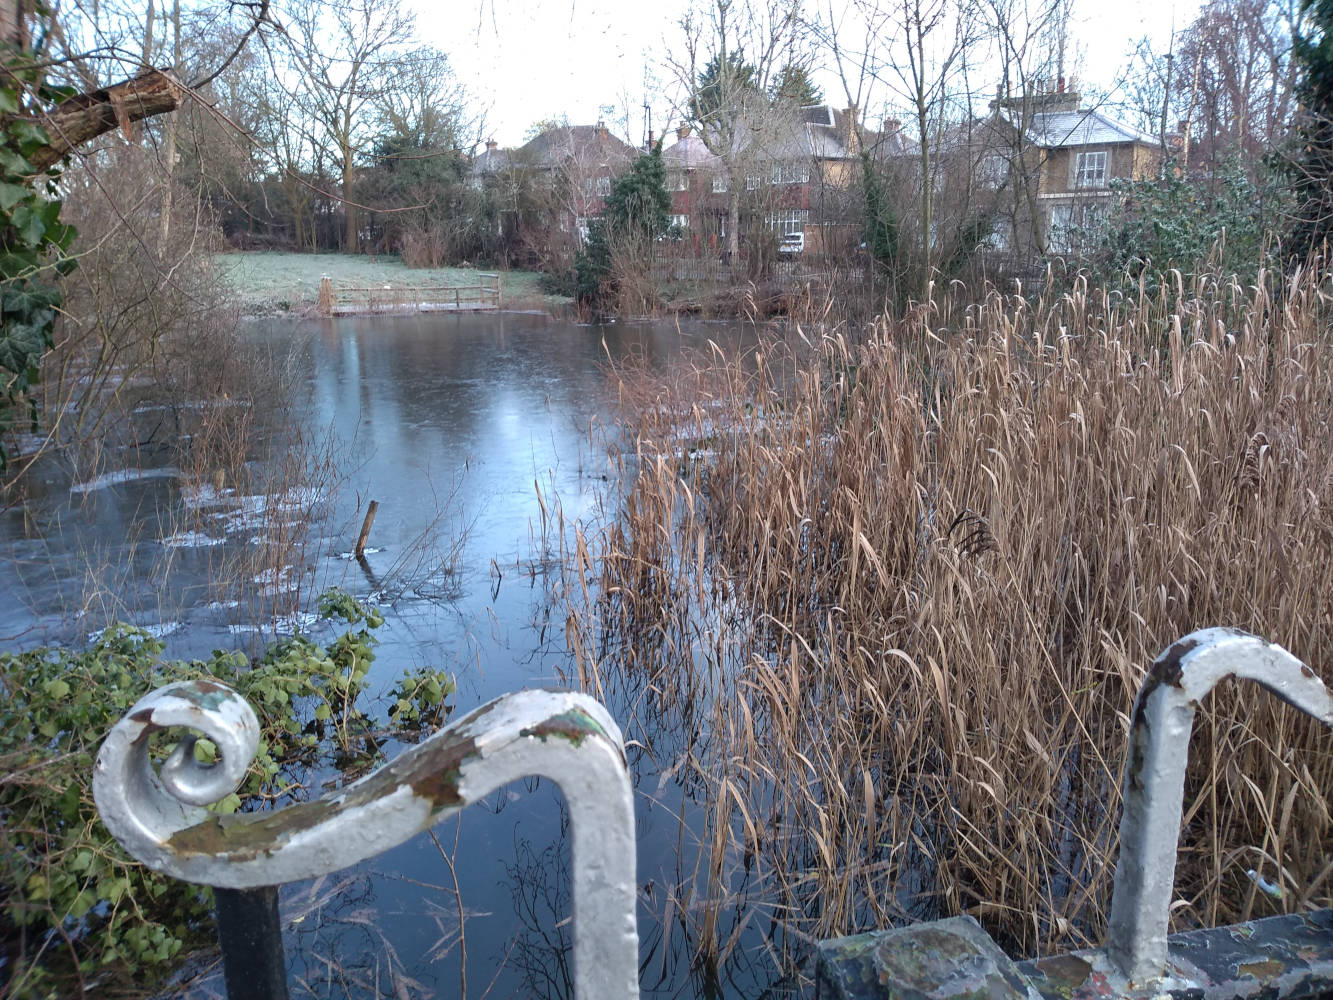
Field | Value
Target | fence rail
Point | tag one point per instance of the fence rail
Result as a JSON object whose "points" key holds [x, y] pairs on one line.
{"points": [[342, 300]]}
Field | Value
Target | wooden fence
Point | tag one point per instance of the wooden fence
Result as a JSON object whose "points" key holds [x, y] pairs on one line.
{"points": [[345, 300]]}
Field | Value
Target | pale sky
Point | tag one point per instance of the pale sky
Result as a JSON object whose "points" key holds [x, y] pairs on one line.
{"points": [[529, 60]]}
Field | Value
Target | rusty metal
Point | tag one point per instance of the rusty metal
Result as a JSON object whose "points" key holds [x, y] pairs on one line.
{"points": [[566, 737]]}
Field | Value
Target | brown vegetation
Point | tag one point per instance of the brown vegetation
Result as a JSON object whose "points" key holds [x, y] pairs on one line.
{"points": [[900, 596]]}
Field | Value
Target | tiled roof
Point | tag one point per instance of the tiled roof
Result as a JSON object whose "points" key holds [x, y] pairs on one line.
{"points": [[556, 144], [491, 161], [689, 153], [1081, 128]]}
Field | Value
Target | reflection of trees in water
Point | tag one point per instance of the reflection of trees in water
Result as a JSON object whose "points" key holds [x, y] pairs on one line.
{"points": [[538, 882], [335, 944]]}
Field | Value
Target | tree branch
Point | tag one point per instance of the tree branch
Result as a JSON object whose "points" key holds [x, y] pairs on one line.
{"points": [[80, 119]]}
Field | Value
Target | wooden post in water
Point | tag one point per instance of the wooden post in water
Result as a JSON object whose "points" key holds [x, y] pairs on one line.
{"points": [[365, 528]]}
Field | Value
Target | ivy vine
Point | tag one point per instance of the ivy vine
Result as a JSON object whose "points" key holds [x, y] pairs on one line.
{"points": [[34, 243]]}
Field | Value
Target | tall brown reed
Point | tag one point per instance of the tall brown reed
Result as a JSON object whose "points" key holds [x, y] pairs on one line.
{"points": [[902, 595]]}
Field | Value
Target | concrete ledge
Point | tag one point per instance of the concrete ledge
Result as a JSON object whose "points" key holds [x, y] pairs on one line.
{"points": [[1270, 959], [937, 960]]}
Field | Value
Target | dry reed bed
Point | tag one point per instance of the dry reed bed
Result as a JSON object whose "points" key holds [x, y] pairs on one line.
{"points": [[903, 607]]}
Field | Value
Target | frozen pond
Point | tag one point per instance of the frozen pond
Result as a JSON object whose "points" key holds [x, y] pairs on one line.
{"points": [[475, 433]]}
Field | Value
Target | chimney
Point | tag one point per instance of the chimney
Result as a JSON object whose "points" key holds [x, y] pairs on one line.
{"points": [[851, 132], [490, 145], [1060, 85], [601, 129], [683, 132], [1183, 126], [891, 126], [649, 146]]}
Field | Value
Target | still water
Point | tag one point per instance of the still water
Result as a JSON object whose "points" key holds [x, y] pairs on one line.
{"points": [[475, 434]]}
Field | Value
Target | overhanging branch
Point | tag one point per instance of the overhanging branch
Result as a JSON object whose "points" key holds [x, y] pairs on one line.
{"points": [[83, 118]]}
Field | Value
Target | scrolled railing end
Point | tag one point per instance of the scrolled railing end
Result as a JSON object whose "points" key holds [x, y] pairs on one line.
{"points": [[158, 814]]}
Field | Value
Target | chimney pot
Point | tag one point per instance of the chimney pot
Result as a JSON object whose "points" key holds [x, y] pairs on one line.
{"points": [[683, 132], [490, 145]]}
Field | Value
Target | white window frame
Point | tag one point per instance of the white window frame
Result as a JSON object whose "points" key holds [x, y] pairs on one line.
{"points": [[789, 221], [993, 170], [603, 187], [682, 221], [719, 184], [752, 183], [677, 181], [1092, 168], [789, 173]]}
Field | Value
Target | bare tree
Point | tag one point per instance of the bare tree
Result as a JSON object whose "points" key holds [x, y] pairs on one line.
{"points": [[90, 49], [915, 54], [337, 61], [1239, 93], [732, 51]]}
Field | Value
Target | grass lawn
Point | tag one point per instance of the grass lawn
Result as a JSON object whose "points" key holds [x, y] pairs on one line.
{"points": [[278, 282]]}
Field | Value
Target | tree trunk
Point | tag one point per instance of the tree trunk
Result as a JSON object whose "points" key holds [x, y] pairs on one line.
{"points": [[350, 240], [734, 220]]}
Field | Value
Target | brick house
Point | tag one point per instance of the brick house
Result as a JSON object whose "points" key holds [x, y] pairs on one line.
{"points": [[1071, 155], [555, 183], [801, 180], [1078, 154]]}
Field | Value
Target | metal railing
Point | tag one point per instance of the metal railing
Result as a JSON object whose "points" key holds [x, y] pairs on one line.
{"points": [[569, 738], [160, 819], [1294, 955]]}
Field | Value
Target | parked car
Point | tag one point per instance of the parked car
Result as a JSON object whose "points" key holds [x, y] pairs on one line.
{"points": [[792, 243]]}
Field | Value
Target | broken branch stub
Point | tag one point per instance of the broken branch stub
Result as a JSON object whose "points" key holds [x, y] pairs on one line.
{"points": [[1154, 781], [566, 737]]}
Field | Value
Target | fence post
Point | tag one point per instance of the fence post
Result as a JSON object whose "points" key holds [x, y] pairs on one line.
{"points": [[250, 935]]}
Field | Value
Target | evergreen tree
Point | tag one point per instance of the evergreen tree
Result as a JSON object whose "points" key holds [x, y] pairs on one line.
{"points": [[881, 220], [1312, 162], [793, 84], [636, 213], [719, 83]]}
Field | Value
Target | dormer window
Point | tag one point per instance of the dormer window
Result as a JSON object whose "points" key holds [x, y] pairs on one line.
{"points": [[1090, 170]]}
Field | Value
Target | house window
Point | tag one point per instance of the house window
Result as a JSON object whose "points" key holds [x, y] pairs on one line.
{"points": [[680, 222], [1090, 170], [791, 221], [719, 184], [1075, 227], [676, 181], [603, 186], [993, 171], [752, 183], [790, 173]]}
